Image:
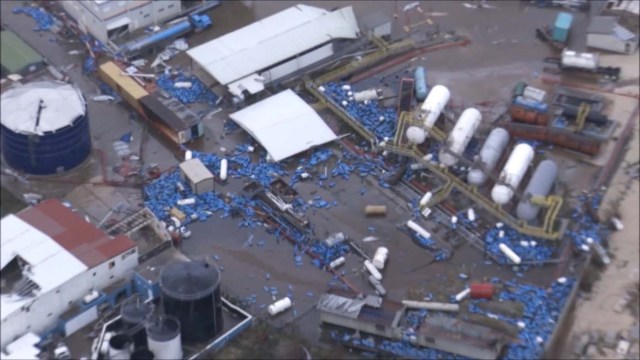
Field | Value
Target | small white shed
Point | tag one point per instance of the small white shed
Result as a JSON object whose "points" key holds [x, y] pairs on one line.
{"points": [[197, 176], [605, 33]]}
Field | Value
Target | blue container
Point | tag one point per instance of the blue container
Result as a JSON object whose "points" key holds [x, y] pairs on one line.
{"points": [[420, 78], [531, 104], [561, 27]]}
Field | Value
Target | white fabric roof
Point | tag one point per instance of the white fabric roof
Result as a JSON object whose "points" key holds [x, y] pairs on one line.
{"points": [[51, 265], [62, 104], [278, 37], [284, 125]]}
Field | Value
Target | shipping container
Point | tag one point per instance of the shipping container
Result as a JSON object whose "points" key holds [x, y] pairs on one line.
{"points": [[531, 104], [405, 99], [176, 120], [130, 91], [544, 134], [520, 114], [561, 27]]}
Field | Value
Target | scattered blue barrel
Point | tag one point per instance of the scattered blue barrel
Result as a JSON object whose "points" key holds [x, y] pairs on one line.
{"points": [[420, 80], [531, 104]]}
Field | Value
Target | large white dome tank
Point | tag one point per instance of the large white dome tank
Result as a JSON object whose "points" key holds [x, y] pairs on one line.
{"points": [[434, 104], [490, 152], [460, 136]]}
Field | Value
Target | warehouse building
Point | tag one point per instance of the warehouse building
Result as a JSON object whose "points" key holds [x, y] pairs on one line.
{"points": [[627, 10], [17, 57], [605, 33], [51, 258], [274, 47], [109, 19]]}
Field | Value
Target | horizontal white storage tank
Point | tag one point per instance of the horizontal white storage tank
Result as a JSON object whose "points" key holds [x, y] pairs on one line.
{"points": [[460, 136], [540, 185], [579, 60], [490, 153], [512, 173], [434, 104]]}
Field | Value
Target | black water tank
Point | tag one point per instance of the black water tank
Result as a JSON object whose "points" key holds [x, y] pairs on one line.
{"points": [[142, 354], [135, 313], [191, 293]]}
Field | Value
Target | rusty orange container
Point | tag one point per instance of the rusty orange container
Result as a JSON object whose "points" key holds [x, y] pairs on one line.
{"points": [[482, 291]]}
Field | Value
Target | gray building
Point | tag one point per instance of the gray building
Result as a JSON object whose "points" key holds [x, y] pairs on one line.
{"points": [[197, 176], [605, 33], [109, 19], [627, 10]]}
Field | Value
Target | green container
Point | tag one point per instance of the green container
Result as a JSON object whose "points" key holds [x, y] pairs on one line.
{"points": [[518, 90]]}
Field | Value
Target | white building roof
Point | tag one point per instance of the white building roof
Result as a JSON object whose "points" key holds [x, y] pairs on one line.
{"points": [[278, 37], [23, 348], [284, 125], [195, 170], [61, 103], [50, 264]]}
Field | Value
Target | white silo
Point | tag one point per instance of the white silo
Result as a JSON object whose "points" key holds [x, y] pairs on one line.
{"points": [[460, 136], [512, 173], [490, 153], [434, 104]]}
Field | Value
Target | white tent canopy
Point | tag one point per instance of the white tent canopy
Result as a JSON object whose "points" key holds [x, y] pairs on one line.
{"points": [[284, 125]]}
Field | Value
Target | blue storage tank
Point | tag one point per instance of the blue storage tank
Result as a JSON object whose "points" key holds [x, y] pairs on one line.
{"points": [[45, 127], [531, 104], [420, 79]]}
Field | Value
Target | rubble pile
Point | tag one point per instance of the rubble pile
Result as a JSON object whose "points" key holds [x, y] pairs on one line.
{"points": [[197, 92], [530, 249]]}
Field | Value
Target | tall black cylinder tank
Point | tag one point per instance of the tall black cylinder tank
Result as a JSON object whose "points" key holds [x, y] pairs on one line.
{"points": [[135, 313], [191, 293]]}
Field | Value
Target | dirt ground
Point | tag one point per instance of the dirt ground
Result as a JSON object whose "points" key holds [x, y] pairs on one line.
{"points": [[595, 310]]}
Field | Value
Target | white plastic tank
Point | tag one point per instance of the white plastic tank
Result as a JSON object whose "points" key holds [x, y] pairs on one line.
{"points": [[460, 136], [572, 58], [380, 257], [163, 337], [279, 306], [418, 229], [120, 347], [224, 164], [416, 135], [540, 185], [490, 152], [365, 95], [512, 173], [372, 270], [434, 104]]}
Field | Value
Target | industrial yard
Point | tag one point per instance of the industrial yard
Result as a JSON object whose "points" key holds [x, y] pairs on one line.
{"points": [[267, 179]]}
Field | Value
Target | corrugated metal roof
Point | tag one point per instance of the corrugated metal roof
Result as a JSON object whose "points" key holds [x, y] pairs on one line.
{"points": [[622, 33], [284, 125], [340, 305], [278, 37], [113, 72], [15, 54], [20, 110], [83, 240], [50, 264], [195, 170]]}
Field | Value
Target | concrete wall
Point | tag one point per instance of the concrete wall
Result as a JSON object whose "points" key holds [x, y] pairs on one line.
{"points": [[95, 18], [43, 312], [611, 43]]}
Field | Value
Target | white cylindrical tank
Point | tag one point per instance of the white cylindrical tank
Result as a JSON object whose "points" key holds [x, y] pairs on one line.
{"points": [[372, 270], [224, 164], [163, 337], [540, 185], [572, 58], [489, 155], [512, 173], [337, 262], [120, 347], [471, 215], [430, 305], [510, 254], [460, 136], [279, 306], [416, 135], [370, 94], [463, 294], [425, 199], [418, 229], [434, 104], [104, 348], [380, 257], [187, 201]]}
